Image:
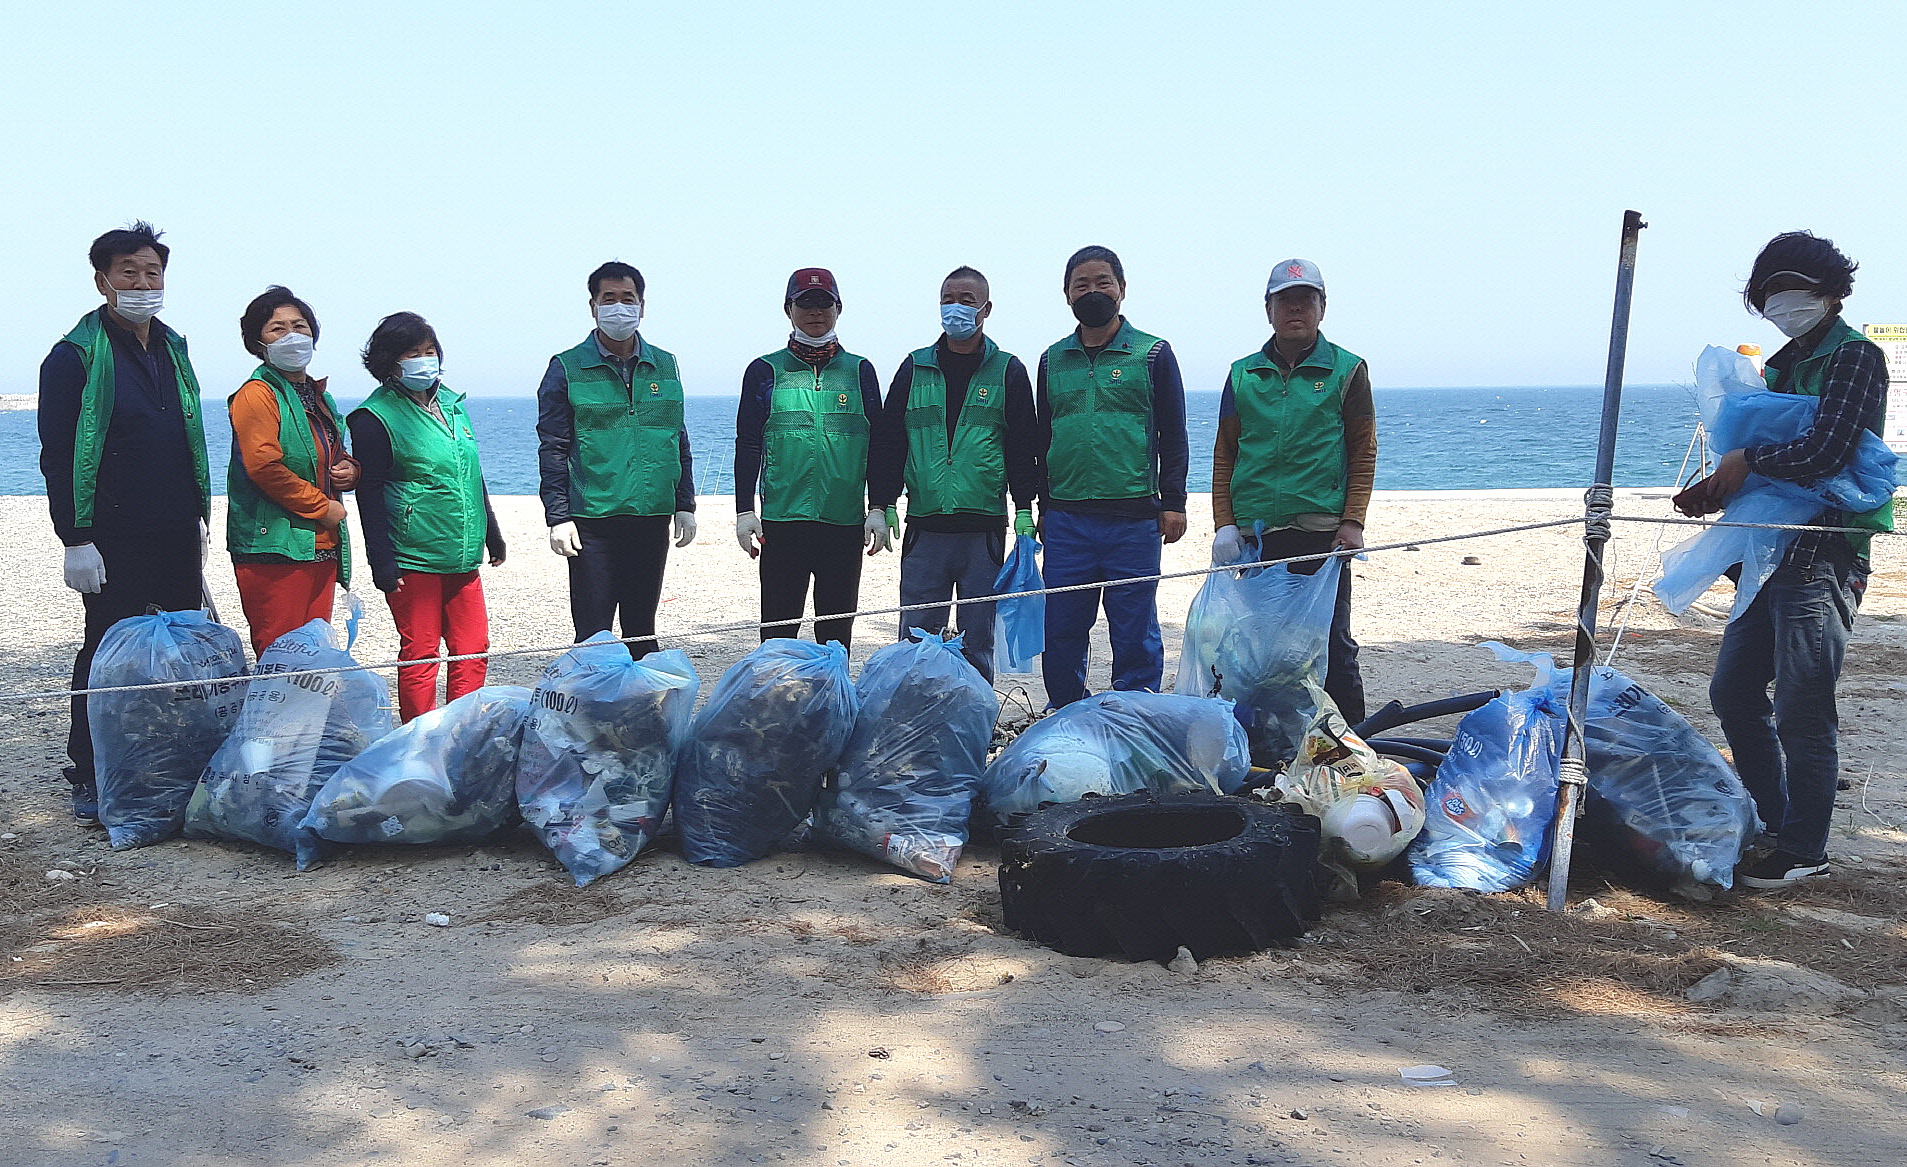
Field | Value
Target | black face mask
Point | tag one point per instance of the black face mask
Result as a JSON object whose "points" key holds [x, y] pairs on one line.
{"points": [[1095, 309]]}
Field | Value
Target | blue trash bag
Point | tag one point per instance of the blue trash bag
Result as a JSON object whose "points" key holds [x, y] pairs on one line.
{"points": [[1739, 411], [599, 752], [292, 734], [446, 776], [1257, 637], [905, 786], [757, 753], [1488, 811], [1118, 743], [150, 747], [1019, 626]]}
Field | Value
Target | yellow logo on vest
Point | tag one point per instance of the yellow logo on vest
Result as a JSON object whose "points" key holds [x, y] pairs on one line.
{"points": [[655, 389], [1117, 373], [841, 400], [1318, 385], [983, 392]]}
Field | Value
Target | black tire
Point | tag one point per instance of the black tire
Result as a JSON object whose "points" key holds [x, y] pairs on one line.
{"points": [[1145, 874]]}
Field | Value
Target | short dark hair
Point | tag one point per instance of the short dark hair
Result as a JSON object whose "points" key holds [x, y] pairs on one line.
{"points": [[1806, 253], [969, 273], [395, 335], [615, 269], [258, 313], [128, 240], [1087, 255]]}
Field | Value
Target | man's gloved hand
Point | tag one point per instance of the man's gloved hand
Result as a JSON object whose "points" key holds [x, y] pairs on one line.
{"points": [[85, 570], [565, 541], [874, 532], [1227, 545], [1024, 526], [684, 528], [748, 533]]}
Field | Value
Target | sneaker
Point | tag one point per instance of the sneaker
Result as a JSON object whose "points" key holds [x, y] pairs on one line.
{"points": [[1782, 869], [85, 799]]}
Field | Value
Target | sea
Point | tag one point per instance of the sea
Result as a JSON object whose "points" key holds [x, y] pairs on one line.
{"points": [[1428, 439]]}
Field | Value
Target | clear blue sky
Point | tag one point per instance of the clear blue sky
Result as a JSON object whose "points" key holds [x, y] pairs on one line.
{"points": [[1459, 171]]}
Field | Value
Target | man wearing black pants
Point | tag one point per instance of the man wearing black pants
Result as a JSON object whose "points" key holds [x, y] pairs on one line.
{"points": [[122, 448], [613, 456], [802, 433]]}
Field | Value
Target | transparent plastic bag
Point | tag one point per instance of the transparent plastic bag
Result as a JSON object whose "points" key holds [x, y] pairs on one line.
{"points": [[599, 752], [1019, 625], [446, 776], [150, 747], [1118, 743], [905, 786], [757, 753], [292, 734]]}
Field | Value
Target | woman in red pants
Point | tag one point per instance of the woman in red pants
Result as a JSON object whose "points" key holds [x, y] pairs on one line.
{"points": [[425, 511], [288, 471]]}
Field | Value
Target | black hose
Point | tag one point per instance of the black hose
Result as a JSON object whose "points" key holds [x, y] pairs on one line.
{"points": [[1396, 749], [1440, 744], [1396, 713]]}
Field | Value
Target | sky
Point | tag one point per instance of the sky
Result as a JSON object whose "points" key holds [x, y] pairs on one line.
{"points": [[1458, 170]]}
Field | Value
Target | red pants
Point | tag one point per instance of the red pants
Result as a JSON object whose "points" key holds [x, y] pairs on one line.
{"points": [[433, 612], [283, 597]]}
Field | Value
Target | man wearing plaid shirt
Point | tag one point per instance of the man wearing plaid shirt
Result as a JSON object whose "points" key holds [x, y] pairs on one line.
{"points": [[1794, 634]]}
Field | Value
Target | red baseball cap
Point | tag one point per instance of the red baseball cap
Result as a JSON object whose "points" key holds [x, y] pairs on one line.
{"points": [[812, 279]]}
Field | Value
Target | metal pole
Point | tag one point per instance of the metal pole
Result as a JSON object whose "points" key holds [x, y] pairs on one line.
{"points": [[1598, 503]]}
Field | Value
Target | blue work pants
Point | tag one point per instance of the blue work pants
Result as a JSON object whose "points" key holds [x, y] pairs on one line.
{"points": [[1082, 548]]}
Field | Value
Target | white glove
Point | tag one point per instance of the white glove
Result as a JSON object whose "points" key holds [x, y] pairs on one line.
{"points": [[565, 541], [684, 528], [748, 533], [85, 570], [1227, 545], [205, 543], [874, 534]]}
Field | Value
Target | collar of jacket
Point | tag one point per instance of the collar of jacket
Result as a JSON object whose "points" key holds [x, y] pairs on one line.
{"points": [[644, 355], [930, 356], [1323, 355], [1121, 341]]}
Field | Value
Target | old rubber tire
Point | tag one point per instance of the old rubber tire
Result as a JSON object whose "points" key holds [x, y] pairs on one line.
{"points": [[1144, 874]]}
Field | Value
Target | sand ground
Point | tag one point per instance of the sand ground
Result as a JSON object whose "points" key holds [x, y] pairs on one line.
{"points": [[816, 1009]]}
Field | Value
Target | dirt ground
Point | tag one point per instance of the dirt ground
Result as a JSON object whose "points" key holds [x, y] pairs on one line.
{"points": [[197, 1003]]}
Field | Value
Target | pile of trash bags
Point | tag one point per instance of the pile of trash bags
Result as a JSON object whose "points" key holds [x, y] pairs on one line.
{"points": [[1739, 411], [597, 763], [905, 784], [1369, 807], [1118, 743], [292, 734], [446, 776], [146, 778], [758, 752]]}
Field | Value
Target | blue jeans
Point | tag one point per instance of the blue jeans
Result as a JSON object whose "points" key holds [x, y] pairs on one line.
{"points": [[1091, 549], [934, 564], [1793, 636]]}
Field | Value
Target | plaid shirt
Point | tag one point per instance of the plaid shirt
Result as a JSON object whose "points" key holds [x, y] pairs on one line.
{"points": [[1853, 399]]}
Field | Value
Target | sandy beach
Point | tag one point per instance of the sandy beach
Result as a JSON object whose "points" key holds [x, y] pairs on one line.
{"points": [[818, 1009]]}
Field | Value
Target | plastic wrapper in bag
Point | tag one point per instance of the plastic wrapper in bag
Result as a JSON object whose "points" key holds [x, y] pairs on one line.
{"points": [[1740, 411], [760, 749], [1118, 743], [151, 746], [446, 776], [1369, 807], [905, 785], [1019, 625], [292, 734], [599, 751], [1257, 637]]}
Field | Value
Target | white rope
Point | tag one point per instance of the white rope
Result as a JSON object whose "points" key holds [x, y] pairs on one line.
{"points": [[1697, 440]]}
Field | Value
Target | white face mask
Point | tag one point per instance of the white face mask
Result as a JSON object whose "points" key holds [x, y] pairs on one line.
{"points": [[417, 373], [1794, 313], [138, 304], [290, 353], [825, 338], [618, 321]]}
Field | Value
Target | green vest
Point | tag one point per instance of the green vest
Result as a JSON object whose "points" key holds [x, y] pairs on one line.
{"points": [[814, 447], [95, 347], [254, 524], [969, 473], [1291, 458], [1806, 376], [435, 496], [627, 453], [1101, 409]]}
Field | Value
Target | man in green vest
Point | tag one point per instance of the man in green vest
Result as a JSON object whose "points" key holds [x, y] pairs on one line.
{"points": [[1794, 633], [618, 480], [1111, 409], [958, 430], [122, 448], [803, 435], [1296, 456]]}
